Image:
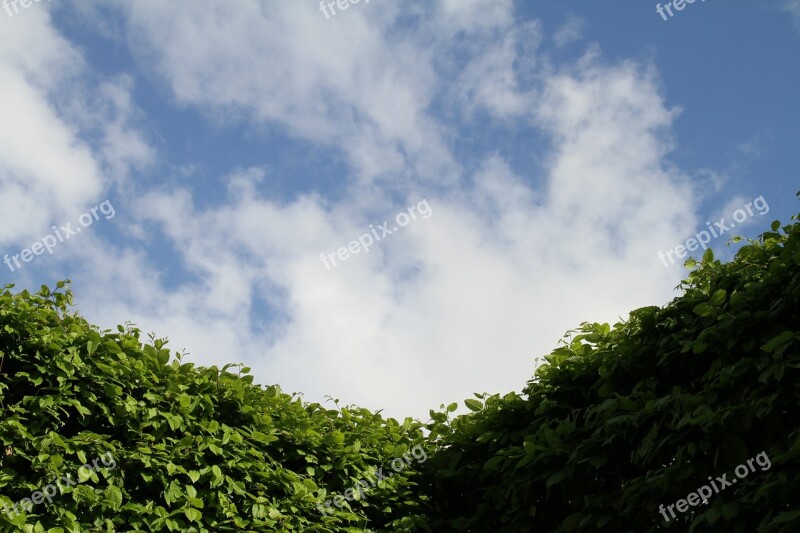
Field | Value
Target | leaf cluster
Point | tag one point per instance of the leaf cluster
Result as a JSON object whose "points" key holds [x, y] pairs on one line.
{"points": [[197, 449], [622, 419]]}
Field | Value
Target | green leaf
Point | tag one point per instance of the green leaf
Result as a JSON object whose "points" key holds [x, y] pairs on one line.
{"points": [[173, 492], [529, 447], [436, 416], [787, 516], [699, 347], [193, 515], [113, 497], [216, 472], [737, 300], [718, 298], [473, 405], [493, 463], [174, 421], [778, 340], [703, 309], [555, 478], [84, 474]]}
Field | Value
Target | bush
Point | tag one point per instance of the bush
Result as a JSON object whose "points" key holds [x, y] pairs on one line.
{"points": [[622, 420], [196, 449], [618, 425]]}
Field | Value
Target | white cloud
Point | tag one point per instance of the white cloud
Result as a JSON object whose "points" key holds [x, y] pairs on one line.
{"points": [[570, 32], [793, 8], [460, 302], [357, 90], [457, 303], [34, 62], [475, 15], [490, 81], [48, 172]]}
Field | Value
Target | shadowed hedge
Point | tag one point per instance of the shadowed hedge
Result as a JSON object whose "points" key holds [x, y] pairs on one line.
{"points": [[622, 420]]}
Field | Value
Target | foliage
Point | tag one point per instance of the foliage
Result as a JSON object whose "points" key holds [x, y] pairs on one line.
{"points": [[618, 421], [621, 420], [197, 449]]}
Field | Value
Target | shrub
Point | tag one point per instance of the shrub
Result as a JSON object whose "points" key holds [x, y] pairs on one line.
{"points": [[197, 449], [622, 420]]}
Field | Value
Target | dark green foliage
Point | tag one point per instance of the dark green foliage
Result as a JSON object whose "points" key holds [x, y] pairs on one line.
{"points": [[623, 419], [197, 449]]}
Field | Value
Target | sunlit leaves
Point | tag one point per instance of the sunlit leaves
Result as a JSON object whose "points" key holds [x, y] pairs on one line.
{"points": [[194, 447], [473, 405]]}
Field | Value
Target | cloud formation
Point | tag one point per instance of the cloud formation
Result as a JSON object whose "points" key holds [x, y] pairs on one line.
{"points": [[510, 259]]}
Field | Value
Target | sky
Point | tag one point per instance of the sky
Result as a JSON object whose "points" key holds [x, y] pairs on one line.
{"points": [[394, 204]]}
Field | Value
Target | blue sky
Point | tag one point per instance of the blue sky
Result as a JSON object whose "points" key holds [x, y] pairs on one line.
{"points": [[549, 151]]}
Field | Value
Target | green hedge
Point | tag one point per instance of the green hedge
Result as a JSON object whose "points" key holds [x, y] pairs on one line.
{"points": [[619, 424], [622, 420], [196, 449]]}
